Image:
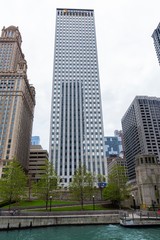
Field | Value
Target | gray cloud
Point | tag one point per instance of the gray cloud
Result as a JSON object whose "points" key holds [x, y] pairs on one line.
{"points": [[127, 59]]}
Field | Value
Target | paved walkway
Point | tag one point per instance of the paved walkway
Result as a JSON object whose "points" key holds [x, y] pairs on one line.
{"points": [[142, 215]]}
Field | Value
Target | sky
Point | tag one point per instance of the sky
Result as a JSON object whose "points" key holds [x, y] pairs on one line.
{"points": [[128, 63]]}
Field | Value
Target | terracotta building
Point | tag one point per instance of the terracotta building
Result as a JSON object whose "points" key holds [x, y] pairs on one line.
{"points": [[17, 100]]}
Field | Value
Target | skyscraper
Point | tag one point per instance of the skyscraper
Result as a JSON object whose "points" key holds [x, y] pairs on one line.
{"points": [[35, 140], [113, 146], [141, 130], [17, 100], [76, 134], [156, 39]]}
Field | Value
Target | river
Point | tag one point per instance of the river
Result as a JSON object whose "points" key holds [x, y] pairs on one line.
{"points": [[94, 232]]}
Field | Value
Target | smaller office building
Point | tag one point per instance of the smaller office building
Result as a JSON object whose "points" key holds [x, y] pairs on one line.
{"points": [[117, 161], [37, 162]]}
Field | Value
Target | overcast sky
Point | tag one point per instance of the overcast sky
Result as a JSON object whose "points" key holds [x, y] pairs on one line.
{"points": [[127, 60]]}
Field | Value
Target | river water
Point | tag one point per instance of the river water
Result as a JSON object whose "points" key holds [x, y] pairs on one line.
{"points": [[94, 232]]}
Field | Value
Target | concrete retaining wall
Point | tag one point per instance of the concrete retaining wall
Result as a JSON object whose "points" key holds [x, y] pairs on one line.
{"points": [[15, 222]]}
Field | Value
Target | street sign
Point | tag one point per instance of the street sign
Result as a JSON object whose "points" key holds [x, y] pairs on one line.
{"points": [[102, 184]]}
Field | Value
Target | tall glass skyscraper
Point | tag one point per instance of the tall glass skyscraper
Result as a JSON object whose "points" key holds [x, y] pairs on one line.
{"points": [[113, 146], [76, 134], [156, 39], [35, 140]]}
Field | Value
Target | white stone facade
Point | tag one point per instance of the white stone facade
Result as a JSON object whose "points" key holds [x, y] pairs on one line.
{"points": [[76, 134]]}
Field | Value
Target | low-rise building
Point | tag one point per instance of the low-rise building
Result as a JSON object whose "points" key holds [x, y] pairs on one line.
{"points": [[117, 168], [117, 161], [37, 161]]}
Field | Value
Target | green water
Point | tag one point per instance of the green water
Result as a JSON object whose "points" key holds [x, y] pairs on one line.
{"points": [[96, 232]]}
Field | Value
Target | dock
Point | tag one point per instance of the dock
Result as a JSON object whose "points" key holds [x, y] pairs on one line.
{"points": [[140, 219]]}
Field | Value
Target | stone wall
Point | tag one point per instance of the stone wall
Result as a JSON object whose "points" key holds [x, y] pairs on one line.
{"points": [[13, 222]]}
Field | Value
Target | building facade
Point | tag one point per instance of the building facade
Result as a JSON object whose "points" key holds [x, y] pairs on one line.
{"points": [[141, 130], [117, 161], [17, 100], [156, 39], [35, 140], [117, 172], [37, 162], [76, 134], [113, 146], [147, 180]]}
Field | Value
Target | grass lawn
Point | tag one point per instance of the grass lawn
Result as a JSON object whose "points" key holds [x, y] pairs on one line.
{"points": [[38, 203], [74, 208], [78, 208]]}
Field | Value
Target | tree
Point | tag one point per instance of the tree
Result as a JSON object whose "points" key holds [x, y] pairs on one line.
{"points": [[13, 183], [117, 189], [101, 178], [89, 188], [82, 185], [48, 182]]}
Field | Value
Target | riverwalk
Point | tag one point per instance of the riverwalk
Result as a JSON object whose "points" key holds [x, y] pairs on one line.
{"points": [[30, 220], [44, 219]]}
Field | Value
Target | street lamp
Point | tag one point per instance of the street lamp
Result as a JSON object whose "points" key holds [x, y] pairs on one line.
{"points": [[50, 198], [101, 186], [93, 203]]}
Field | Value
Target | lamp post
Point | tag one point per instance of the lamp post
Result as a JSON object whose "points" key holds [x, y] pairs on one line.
{"points": [[50, 198], [93, 203], [101, 186]]}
